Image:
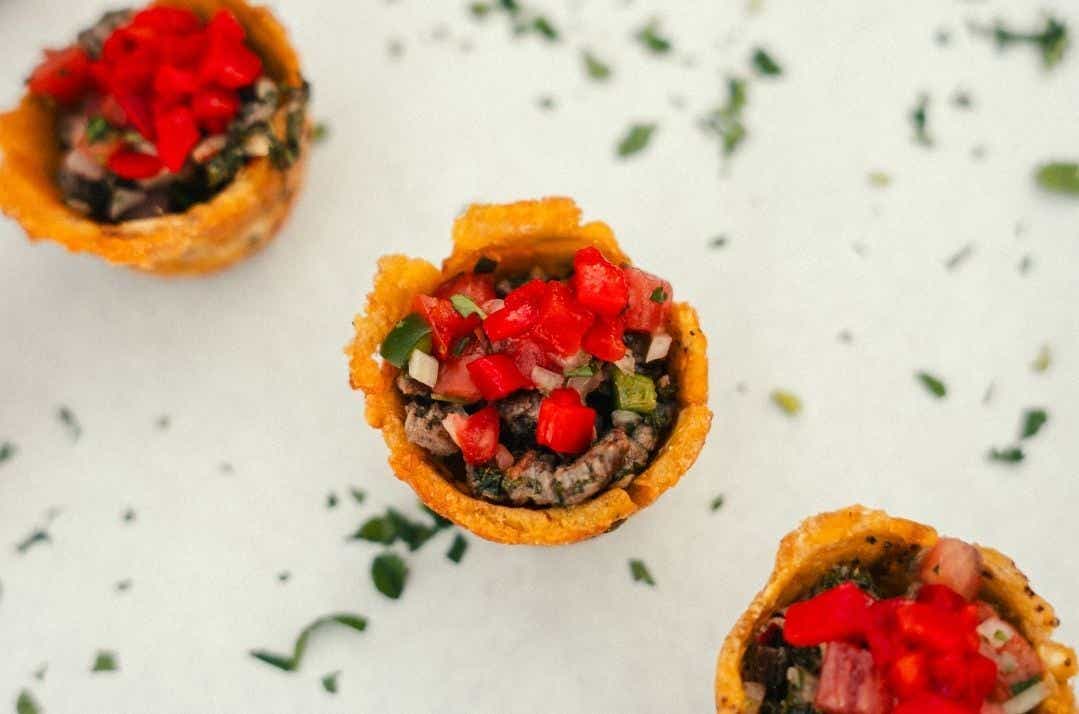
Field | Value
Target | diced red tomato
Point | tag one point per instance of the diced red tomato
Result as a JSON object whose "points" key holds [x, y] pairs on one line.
{"points": [[565, 425], [171, 20], [909, 674], [1027, 662], [532, 291], [526, 353], [230, 65], [134, 165], [941, 597], [643, 314], [224, 27], [849, 684], [932, 704], [604, 339], [182, 50], [511, 321], [882, 632], [476, 435], [562, 320], [174, 83], [214, 107], [837, 614], [479, 287], [177, 135], [447, 325], [966, 678], [599, 284], [936, 630], [956, 564], [496, 376], [455, 381], [63, 75], [137, 114]]}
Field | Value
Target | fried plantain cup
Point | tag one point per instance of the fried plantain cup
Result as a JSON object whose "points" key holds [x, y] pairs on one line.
{"points": [[871, 536], [519, 236], [209, 236]]}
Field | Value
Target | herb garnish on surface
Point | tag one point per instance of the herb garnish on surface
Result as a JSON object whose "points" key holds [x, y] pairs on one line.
{"points": [[789, 402], [765, 64], [105, 661], [329, 682], [70, 422], [594, 67], [1059, 177], [725, 121], [653, 40], [636, 139], [389, 573], [932, 384], [919, 120], [291, 663], [7, 451], [640, 573], [1052, 41], [26, 704]]}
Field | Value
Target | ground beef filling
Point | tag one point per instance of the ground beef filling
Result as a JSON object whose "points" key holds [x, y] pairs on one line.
{"points": [[84, 135]]}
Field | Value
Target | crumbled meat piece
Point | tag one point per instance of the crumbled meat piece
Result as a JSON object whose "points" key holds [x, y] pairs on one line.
{"points": [[410, 387], [638, 345], [520, 415], [644, 436], [534, 478], [423, 427], [93, 38]]}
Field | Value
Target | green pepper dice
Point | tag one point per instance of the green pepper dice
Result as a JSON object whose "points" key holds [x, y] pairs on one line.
{"points": [[410, 333], [634, 392]]}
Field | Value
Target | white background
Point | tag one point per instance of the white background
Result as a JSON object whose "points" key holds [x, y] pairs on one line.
{"points": [[248, 364]]}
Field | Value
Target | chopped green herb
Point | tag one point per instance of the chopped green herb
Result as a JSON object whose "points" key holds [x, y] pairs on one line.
{"points": [[1033, 421], [406, 336], [787, 401], [725, 120], [26, 704], [284, 576], [658, 295], [389, 573], [320, 132], [122, 586], [718, 241], [466, 306], [634, 392], [1020, 687], [961, 99], [97, 129], [959, 257], [358, 495], [717, 502], [377, 529], [636, 139], [485, 265], [880, 179], [70, 422], [7, 451], [585, 370], [291, 663], [329, 682], [543, 26], [1051, 41], [39, 673], [331, 500], [394, 525], [105, 661], [1059, 177], [36, 536], [1010, 455], [919, 119], [129, 515], [480, 9], [457, 548], [594, 67], [652, 40], [765, 64], [1043, 361], [640, 573], [935, 387]]}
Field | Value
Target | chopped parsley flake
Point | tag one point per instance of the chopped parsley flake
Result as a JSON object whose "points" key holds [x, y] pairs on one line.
{"points": [[1010, 455], [36, 536], [650, 37], [765, 64], [959, 257], [543, 26], [105, 661], [594, 67], [7, 451], [128, 516], [457, 548], [719, 241], [26, 704], [291, 663], [879, 179], [658, 295], [640, 573], [284, 576], [919, 120], [1059, 177], [70, 422], [122, 586], [320, 132], [358, 495], [1020, 687], [331, 500], [389, 574], [725, 121], [97, 129], [636, 139], [932, 384], [787, 401], [329, 682], [1033, 421], [1043, 361], [377, 529], [1051, 41], [717, 502]]}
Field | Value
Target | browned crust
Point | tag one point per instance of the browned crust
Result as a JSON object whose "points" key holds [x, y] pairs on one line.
{"points": [[209, 236], [828, 539], [520, 235]]}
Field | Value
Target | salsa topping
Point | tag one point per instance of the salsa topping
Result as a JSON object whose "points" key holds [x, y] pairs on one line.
{"points": [[548, 390], [935, 649], [158, 109]]}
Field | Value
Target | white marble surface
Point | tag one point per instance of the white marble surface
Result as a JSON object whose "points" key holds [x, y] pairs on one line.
{"points": [[248, 364]]}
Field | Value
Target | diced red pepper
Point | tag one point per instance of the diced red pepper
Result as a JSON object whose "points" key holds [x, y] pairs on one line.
{"points": [[849, 683], [63, 75], [170, 20], [476, 435], [562, 320], [604, 339], [177, 135], [479, 287], [447, 325], [214, 107], [954, 563], [600, 285], [496, 376], [839, 614], [643, 313], [170, 81], [565, 425], [134, 165]]}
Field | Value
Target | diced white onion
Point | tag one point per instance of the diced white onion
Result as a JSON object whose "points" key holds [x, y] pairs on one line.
{"points": [[996, 632], [585, 385], [492, 306], [658, 347], [422, 367], [573, 361], [627, 364], [83, 165], [1026, 699], [545, 380], [258, 144], [754, 692], [503, 457], [453, 423], [621, 417]]}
